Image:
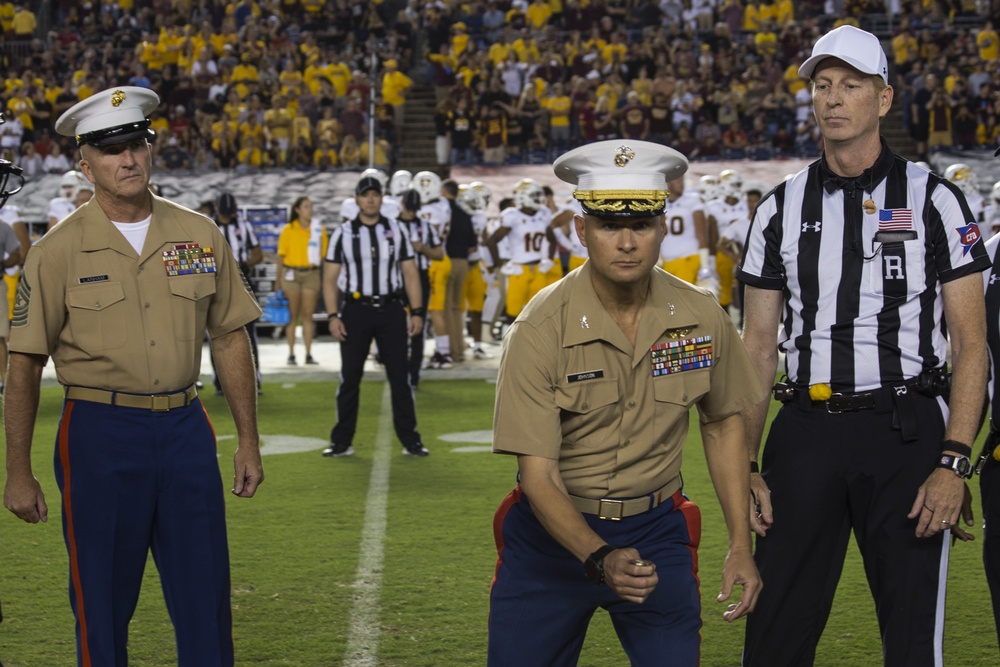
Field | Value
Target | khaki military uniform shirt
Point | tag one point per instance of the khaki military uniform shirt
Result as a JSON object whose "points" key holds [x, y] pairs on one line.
{"points": [[572, 388], [113, 320]]}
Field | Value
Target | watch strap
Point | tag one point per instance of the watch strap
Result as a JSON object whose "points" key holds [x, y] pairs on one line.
{"points": [[957, 447], [593, 567], [954, 463]]}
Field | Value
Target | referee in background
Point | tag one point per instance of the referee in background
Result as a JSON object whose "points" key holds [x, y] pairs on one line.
{"points": [[862, 256], [381, 281], [427, 246], [246, 250]]}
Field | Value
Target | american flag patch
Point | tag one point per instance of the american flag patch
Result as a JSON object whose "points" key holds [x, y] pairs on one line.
{"points": [[892, 219]]}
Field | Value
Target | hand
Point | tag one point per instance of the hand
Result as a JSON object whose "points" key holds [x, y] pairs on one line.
{"points": [[24, 498], [938, 503], [337, 329], [629, 581], [545, 265], [761, 512], [739, 570], [512, 269], [957, 532], [249, 470], [415, 325]]}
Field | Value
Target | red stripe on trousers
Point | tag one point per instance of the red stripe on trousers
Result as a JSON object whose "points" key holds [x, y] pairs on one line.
{"points": [[512, 499], [74, 564], [692, 517]]}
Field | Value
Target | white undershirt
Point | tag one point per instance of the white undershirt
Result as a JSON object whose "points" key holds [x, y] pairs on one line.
{"points": [[134, 232]]}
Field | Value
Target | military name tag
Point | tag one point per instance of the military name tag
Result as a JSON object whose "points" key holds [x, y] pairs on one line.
{"points": [[188, 259], [677, 356], [586, 375]]}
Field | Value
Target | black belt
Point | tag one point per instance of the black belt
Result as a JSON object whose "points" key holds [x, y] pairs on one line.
{"points": [[302, 268], [929, 383], [377, 301]]}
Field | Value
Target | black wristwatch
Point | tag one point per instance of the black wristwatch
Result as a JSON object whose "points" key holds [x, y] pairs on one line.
{"points": [[593, 567], [961, 465]]}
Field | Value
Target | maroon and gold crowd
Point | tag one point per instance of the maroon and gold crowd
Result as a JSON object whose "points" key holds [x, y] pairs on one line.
{"points": [[323, 84]]}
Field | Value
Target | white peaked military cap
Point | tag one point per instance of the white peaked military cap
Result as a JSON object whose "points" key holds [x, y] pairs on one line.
{"points": [[112, 116], [856, 47], [621, 177]]}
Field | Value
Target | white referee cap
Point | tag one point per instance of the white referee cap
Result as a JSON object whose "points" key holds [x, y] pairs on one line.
{"points": [[113, 116], [860, 49], [621, 177]]}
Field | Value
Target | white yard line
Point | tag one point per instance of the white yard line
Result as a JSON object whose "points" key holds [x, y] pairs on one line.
{"points": [[365, 625]]}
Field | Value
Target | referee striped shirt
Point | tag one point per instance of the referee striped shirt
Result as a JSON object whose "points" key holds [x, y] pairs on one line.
{"points": [[370, 256], [421, 232], [240, 235], [861, 311], [991, 283]]}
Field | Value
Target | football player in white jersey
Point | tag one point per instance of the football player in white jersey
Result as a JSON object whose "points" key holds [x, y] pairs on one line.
{"points": [[992, 213], [474, 199], [436, 212], [13, 249], [729, 209], [684, 251], [525, 227], [391, 207], [962, 175], [730, 248], [564, 231], [70, 187], [399, 184]]}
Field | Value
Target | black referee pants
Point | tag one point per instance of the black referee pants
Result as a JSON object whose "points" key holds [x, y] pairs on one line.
{"points": [[989, 488], [830, 474], [387, 326], [416, 359]]}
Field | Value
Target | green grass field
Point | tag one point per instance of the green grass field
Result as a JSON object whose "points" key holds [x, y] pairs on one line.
{"points": [[295, 551]]}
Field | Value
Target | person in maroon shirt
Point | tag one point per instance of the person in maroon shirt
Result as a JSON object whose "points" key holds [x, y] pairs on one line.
{"points": [[352, 120], [660, 127], [633, 118], [585, 120]]}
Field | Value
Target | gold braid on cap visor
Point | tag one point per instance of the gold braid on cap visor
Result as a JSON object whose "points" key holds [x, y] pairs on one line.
{"points": [[627, 202]]}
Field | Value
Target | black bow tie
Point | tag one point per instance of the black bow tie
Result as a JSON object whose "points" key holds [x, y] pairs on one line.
{"points": [[832, 183]]}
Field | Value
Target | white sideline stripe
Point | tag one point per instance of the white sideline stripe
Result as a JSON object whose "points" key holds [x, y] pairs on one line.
{"points": [[941, 591], [364, 623]]}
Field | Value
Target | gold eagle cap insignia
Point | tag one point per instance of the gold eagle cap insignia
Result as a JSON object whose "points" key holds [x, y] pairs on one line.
{"points": [[623, 156], [117, 98]]}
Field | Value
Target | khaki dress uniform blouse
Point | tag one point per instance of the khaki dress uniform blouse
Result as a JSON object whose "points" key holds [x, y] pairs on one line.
{"points": [[113, 320], [621, 428]]}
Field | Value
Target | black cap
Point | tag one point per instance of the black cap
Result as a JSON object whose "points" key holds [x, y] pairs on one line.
{"points": [[226, 204], [367, 183], [411, 200]]}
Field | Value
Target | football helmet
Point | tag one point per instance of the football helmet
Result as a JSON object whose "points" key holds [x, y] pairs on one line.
{"points": [[995, 194], [71, 183], [400, 182], [528, 194], [730, 184], [708, 188], [428, 184], [962, 175], [476, 195]]}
